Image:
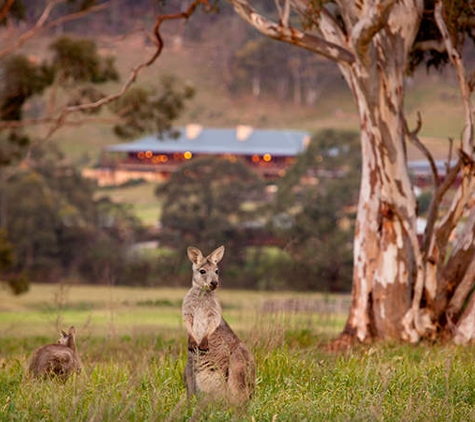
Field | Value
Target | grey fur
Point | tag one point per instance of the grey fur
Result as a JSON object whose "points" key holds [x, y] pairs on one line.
{"points": [[58, 360], [219, 365]]}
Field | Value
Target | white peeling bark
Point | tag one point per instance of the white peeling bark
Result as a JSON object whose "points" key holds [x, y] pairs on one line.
{"points": [[372, 60], [465, 331], [290, 34]]}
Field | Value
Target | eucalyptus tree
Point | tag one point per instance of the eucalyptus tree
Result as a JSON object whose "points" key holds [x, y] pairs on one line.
{"points": [[401, 289]]}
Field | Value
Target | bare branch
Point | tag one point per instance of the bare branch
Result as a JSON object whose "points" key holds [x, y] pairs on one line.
{"points": [[41, 23], [6, 7], [59, 121], [43, 121], [373, 21], [412, 135], [467, 138], [460, 199], [435, 200], [430, 45], [284, 14], [325, 22], [291, 35], [465, 163]]}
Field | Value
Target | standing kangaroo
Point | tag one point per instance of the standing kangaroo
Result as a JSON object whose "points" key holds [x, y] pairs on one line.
{"points": [[58, 360], [219, 364]]}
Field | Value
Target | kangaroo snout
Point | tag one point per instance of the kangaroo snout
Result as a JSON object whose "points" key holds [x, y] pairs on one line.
{"points": [[213, 284]]}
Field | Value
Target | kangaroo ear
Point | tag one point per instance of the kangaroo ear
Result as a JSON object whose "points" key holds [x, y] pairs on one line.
{"points": [[216, 255], [72, 330], [63, 333], [195, 255]]}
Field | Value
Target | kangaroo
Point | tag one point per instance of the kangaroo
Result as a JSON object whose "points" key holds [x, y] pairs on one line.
{"points": [[219, 365], [59, 360]]}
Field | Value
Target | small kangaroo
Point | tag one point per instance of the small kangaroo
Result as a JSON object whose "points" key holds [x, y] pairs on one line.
{"points": [[219, 364], [59, 360]]}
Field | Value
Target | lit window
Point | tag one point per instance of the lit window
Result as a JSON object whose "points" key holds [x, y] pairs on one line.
{"points": [[163, 158], [255, 158], [141, 155], [267, 158], [187, 155]]}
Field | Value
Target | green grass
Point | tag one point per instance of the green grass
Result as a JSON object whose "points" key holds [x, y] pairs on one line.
{"points": [[132, 344]]}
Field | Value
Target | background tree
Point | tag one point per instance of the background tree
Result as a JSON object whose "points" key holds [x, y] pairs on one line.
{"points": [[151, 110], [56, 227], [47, 226], [210, 201], [314, 211], [252, 67]]}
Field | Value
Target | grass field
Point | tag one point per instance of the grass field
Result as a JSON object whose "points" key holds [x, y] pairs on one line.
{"points": [[132, 344]]}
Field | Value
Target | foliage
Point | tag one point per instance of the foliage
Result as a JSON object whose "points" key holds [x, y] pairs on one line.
{"points": [[423, 202], [315, 208], [459, 20], [151, 110], [56, 226], [21, 79], [17, 282], [54, 222], [78, 61], [12, 147], [204, 203]]}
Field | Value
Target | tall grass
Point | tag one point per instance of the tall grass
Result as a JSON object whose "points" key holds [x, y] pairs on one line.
{"points": [[133, 368]]}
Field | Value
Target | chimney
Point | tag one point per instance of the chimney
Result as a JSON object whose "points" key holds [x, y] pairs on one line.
{"points": [[306, 141], [193, 130], [243, 132]]}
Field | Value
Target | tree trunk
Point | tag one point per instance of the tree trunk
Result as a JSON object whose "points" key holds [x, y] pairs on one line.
{"points": [[402, 290], [387, 261]]}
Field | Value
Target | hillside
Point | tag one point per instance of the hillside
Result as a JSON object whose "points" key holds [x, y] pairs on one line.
{"points": [[434, 96]]}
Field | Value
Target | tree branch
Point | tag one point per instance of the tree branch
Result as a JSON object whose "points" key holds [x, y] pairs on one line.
{"points": [[371, 23], [324, 22], [284, 13], [59, 121], [439, 193], [6, 7], [465, 164], [41, 23], [16, 124], [467, 138], [291, 35], [430, 45], [412, 135]]}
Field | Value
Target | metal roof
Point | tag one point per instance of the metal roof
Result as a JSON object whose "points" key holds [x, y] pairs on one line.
{"points": [[242, 140]]}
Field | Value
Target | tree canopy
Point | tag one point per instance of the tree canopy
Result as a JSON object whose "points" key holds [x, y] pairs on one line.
{"points": [[205, 202], [314, 210]]}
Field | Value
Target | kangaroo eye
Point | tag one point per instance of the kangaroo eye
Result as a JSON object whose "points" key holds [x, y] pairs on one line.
{"points": [[217, 271], [202, 272]]}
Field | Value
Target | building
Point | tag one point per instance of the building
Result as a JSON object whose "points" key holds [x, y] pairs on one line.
{"points": [[269, 152]]}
